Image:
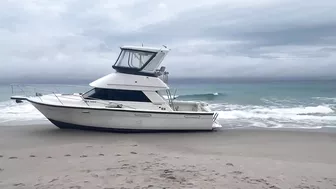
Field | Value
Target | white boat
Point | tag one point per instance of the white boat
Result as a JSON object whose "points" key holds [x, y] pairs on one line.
{"points": [[130, 99]]}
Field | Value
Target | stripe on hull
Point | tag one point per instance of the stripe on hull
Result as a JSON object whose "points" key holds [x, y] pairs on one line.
{"points": [[63, 125]]}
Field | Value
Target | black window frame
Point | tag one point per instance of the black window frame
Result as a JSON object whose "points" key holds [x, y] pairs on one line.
{"points": [[117, 95], [134, 71]]}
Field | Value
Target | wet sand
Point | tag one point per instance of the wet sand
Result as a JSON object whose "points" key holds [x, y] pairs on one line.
{"points": [[42, 156]]}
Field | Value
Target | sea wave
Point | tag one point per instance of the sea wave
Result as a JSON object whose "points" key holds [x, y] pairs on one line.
{"points": [[328, 99], [295, 113], [201, 96], [11, 111], [198, 96], [303, 117]]}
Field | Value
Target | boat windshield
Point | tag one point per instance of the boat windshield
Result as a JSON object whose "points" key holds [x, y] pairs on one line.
{"points": [[134, 59]]}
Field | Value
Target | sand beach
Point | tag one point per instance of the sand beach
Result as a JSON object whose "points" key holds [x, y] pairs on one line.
{"points": [[41, 156]]}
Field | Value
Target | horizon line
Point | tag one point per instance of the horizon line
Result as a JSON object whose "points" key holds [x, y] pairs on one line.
{"points": [[176, 79]]}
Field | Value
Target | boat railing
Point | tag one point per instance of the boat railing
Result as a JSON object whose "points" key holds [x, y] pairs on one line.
{"points": [[215, 116], [29, 91], [171, 98], [32, 91]]}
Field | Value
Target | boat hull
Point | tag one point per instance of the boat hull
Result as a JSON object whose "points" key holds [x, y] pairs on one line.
{"points": [[103, 119]]}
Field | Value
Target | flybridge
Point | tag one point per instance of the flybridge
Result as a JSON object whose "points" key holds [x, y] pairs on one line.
{"points": [[140, 60]]}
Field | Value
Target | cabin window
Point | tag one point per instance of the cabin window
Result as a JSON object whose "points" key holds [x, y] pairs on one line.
{"points": [[116, 95], [151, 66], [133, 59]]}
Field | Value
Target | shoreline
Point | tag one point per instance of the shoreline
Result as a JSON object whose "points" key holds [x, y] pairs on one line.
{"points": [[43, 156], [47, 123]]}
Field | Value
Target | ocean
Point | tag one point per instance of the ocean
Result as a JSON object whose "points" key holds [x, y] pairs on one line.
{"points": [[266, 104]]}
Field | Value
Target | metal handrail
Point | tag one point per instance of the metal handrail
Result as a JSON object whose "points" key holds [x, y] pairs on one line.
{"points": [[215, 117], [46, 90], [19, 86], [58, 98]]}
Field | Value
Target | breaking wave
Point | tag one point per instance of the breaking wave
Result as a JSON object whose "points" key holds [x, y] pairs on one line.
{"points": [[318, 112], [204, 96], [295, 117], [11, 111]]}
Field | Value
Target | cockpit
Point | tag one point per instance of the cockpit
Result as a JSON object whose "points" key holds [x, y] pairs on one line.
{"points": [[140, 60]]}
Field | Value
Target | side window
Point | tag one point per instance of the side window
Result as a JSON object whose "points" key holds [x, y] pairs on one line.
{"points": [[117, 95]]}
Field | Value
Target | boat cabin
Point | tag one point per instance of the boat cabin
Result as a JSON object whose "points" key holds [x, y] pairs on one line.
{"points": [[136, 82]]}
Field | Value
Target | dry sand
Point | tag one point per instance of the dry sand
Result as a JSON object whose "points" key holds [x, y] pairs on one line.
{"points": [[47, 157]]}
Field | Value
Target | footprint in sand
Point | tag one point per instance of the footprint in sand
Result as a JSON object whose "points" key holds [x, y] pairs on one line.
{"points": [[101, 154], [32, 156], [129, 181], [53, 180], [274, 187], [1, 156], [94, 175], [18, 184], [86, 171], [75, 187], [1, 169], [118, 155], [237, 172], [83, 156], [134, 153], [49, 157], [229, 164], [13, 157], [67, 155]]}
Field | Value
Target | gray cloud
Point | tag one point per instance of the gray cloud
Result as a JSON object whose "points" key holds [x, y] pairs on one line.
{"points": [[79, 39]]}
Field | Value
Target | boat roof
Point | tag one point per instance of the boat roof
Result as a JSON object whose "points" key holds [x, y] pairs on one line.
{"points": [[149, 49]]}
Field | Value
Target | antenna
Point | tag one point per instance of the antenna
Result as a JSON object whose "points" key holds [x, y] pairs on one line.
{"points": [[164, 46]]}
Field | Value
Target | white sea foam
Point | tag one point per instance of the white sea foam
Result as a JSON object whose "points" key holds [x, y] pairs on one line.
{"points": [[297, 113], [11, 111], [297, 110], [310, 117], [325, 99]]}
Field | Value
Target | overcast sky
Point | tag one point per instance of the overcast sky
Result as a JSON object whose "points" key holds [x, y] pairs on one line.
{"points": [[80, 39]]}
